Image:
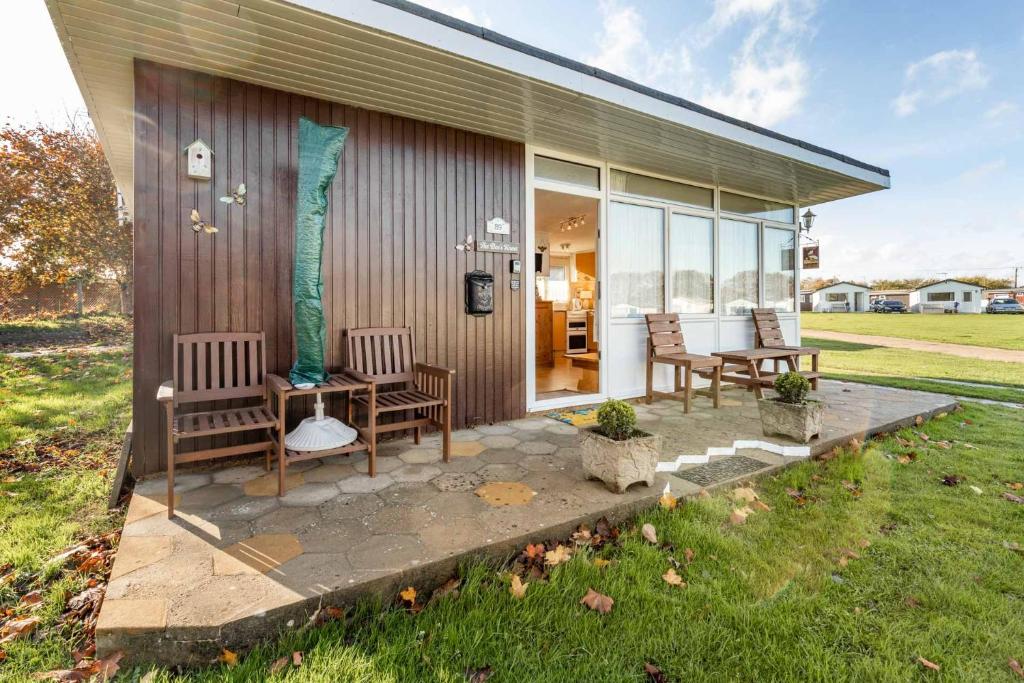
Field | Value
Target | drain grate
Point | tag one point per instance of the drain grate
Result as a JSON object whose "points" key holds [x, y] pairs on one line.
{"points": [[721, 470]]}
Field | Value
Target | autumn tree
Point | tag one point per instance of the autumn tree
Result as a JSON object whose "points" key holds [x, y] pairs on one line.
{"points": [[59, 218]]}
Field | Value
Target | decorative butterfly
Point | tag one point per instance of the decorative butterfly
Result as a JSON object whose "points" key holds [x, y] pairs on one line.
{"points": [[467, 245], [199, 224], [236, 197]]}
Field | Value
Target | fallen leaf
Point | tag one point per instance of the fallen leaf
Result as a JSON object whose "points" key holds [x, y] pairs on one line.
{"points": [[650, 533], [408, 595], [912, 602], [739, 515], [673, 579], [478, 675], [928, 665], [919, 420], [555, 557], [297, 659], [703, 493], [944, 445], [798, 497], [690, 554], [1016, 667], [450, 588], [855, 445], [1008, 496], [3, 655], [760, 505], [853, 488], [534, 552], [31, 598], [864, 543], [952, 479], [1015, 485], [229, 658], [977, 490], [518, 588], [601, 563], [907, 458], [744, 494], [278, 665], [654, 674], [581, 536], [107, 668], [597, 602], [17, 628], [667, 500]]}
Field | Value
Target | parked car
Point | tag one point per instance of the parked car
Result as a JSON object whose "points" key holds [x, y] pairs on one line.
{"points": [[1004, 306], [888, 306]]}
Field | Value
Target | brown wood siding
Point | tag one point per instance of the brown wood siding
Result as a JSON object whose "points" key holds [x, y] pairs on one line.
{"points": [[405, 193]]}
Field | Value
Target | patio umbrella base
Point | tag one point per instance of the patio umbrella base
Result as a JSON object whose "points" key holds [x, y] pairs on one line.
{"points": [[323, 434]]}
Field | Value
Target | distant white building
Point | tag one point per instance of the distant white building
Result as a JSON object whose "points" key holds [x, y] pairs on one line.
{"points": [[946, 295], [840, 297]]}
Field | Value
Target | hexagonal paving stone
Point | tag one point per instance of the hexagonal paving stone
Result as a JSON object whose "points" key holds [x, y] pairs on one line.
{"points": [[396, 519], [530, 424], [309, 495], [537, 447], [207, 497], [336, 536], [362, 483], [409, 494], [388, 464], [312, 573], [238, 475], [504, 493], [244, 508], [444, 540], [421, 456], [415, 473], [267, 484], [393, 551], [503, 472], [496, 430], [345, 458], [286, 520], [457, 481], [557, 427], [462, 465], [182, 483], [262, 552], [351, 506], [451, 507], [329, 474], [499, 441], [466, 449], [500, 456], [463, 435], [542, 463]]}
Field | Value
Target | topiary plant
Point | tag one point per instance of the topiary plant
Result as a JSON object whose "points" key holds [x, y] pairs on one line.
{"points": [[617, 419], [792, 387]]}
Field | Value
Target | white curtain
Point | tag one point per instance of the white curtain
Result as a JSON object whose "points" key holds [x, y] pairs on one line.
{"points": [[692, 260], [636, 249], [738, 266]]}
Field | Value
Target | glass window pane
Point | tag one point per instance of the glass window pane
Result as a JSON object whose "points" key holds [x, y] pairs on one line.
{"points": [[692, 260], [566, 172], [757, 208], [738, 257], [780, 269], [657, 188], [636, 248]]}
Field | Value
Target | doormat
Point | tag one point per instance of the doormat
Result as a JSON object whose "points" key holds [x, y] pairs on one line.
{"points": [[585, 417], [722, 470]]}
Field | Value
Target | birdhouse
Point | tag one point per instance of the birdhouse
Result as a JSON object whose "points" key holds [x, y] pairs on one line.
{"points": [[200, 160]]}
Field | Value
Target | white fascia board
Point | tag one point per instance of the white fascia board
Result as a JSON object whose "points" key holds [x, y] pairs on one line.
{"points": [[398, 22]]}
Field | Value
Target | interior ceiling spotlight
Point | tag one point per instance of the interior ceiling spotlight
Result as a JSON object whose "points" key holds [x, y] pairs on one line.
{"points": [[572, 222], [565, 246]]}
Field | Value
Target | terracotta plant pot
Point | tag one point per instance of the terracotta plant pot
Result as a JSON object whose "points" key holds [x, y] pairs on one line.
{"points": [[620, 463], [799, 421]]}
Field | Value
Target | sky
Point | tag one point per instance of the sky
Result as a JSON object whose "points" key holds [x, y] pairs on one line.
{"points": [[932, 90]]}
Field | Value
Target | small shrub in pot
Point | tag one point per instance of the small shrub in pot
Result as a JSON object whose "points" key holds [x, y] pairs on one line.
{"points": [[791, 413], [615, 451]]}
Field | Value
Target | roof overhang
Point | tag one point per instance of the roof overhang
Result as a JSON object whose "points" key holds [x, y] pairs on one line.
{"points": [[392, 56]]}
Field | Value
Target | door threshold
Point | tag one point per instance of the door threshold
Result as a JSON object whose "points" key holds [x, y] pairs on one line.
{"points": [[565, 402]]}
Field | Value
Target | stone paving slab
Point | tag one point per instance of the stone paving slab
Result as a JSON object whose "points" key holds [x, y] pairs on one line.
{"points": [[238, 564]]}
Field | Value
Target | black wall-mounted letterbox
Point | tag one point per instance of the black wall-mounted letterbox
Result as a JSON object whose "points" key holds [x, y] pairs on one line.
{"points": [[479, 293]]}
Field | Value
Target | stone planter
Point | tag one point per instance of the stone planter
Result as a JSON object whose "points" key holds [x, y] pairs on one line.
{"points": [[620, 463], [797, 421]]}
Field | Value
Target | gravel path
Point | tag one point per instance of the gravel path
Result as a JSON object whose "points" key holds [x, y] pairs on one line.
{"points": [[963, 350]]}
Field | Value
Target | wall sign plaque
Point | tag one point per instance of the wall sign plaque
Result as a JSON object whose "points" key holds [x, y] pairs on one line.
{"points": [[498, 226], [811, 256], [497, 247]]}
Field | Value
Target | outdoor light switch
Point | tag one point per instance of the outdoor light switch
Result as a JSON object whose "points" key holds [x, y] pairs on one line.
{"points": [[515, 266]]}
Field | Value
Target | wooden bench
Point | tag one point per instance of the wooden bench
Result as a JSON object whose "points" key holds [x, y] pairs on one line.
{"points": [[386, 356], [218, 366], [665, 344], [768, 335]]}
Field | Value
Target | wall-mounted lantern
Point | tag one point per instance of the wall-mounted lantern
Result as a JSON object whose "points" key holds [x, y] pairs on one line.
{"points": [[808, 220]]}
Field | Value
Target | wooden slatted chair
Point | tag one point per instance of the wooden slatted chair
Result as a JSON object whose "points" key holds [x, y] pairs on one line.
{"points": [[768, 335], [216, 367], [387, 356], [665, 344]]}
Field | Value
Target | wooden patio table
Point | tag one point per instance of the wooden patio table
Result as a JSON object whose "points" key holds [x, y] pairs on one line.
{"points": [[339, 383], [743, 366]]}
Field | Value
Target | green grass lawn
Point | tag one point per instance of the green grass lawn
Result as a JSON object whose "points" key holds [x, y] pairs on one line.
{"points": [[92, 329], [908, 369], [930, 573], [998, 331]]}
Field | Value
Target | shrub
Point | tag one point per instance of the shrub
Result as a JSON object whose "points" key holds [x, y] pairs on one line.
{"points": [[792, 387], [617, 419]]}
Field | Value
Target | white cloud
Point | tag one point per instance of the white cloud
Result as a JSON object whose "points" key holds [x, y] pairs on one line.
{"points": [[1001, 111], [457, 10], [940, 77], [767, 79], [982, 171]]}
